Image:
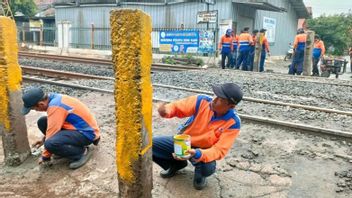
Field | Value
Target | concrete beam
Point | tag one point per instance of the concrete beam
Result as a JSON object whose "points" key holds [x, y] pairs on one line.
{"points": [[132, 59], [12, 123]]}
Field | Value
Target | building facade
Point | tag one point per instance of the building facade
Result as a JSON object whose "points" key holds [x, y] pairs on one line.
{"points": [[279, 17]]}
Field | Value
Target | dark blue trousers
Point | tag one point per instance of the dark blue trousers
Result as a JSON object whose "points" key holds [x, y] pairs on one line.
{"points": [[163, 147], [65, 143], [297, 63], [225, 55], [262, 61], [243, 59], [251, 55]]}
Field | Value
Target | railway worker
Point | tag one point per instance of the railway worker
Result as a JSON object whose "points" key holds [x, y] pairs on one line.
{"points": [[318, 53], [213, 125], [234, 51], [252, 50], [245, 39], [225, 47], [298, 46], [69, 127], [265, 49]]}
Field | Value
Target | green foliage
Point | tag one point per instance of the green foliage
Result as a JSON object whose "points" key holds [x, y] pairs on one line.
{"points": [[27, 7], [334, 30]]}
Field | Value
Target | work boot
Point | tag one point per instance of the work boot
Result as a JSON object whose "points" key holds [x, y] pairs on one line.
{"points": [[83, 160], [199, 183], [171, 171]]}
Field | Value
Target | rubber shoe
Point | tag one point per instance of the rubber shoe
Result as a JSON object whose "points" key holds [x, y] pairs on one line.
{"points": [[84, 159], [200, 183], [171, 171]]}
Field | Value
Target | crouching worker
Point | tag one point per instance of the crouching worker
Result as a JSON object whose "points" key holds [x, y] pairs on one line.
{"points": [[69, 127], [213, 125]]}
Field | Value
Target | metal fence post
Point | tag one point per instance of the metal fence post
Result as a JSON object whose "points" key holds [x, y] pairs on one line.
{"points": [[23, 35], [41, 35], [92, 36]]}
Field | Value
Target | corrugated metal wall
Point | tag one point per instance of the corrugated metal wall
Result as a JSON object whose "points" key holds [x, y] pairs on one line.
{"points": [[286, 25], [172, 16]]}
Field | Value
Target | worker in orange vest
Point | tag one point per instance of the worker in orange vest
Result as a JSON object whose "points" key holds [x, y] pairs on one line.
{"points": [[226, 47], [298, 46], [244, 40], [265, 49], [318, 53]]}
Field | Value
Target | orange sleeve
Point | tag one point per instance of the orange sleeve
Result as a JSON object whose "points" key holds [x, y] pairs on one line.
{"points": [[266, 43], [295, 43], [220, 149], [322, 48], [220, 43], [56, 119], [182, 108], [250, 39]]}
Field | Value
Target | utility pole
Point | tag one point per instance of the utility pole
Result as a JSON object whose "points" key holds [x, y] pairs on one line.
{"points": [[133, 98], [307, 63], [258, 51]]}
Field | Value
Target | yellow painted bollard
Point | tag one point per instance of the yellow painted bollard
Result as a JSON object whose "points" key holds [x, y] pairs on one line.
{"points": [[12, 124], [132, 58]]}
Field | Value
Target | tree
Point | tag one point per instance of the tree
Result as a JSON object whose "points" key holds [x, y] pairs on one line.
{"points": [[334, 30], [27, 7]]}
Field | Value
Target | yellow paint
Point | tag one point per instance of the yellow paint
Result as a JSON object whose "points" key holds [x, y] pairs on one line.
{"points": [[10, 71], [131, 49]]}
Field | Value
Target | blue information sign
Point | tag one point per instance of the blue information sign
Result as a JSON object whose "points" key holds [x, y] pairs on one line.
{"points": [[184, 41]]}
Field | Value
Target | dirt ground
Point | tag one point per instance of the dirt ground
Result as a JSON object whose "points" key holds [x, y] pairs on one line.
{"points": [[264, 162]]}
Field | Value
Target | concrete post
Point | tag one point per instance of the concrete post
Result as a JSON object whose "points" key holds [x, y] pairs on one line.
{"points": [[41, 35], [258, 50], [132, 58], [12, 123], [307, 64]]}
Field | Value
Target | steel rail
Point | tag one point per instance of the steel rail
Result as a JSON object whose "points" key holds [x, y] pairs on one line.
{"points": [[242, 116], [68, 75], [156, 66]]}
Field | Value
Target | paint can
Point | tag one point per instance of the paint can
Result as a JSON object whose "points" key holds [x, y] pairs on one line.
{"points": [[182, 143]]}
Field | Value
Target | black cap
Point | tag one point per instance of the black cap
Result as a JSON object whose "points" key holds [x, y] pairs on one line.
{"points": [[229, 91], [30, 98], [262, 30], [255, 31], [246, 29]]}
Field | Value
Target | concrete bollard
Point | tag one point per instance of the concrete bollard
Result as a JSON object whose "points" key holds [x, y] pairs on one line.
{"points": [[12, 123], [307, 64], [132, 58]]}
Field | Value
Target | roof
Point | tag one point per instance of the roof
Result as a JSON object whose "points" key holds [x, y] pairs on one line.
{"points": [[301, 9], [260, 5]]}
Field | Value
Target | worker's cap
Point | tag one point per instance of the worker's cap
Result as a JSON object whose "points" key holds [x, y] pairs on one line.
{"points": [[262, 30], [229, 91], [246, 29], [229, 31], [316, 36], [255, 31], [30, 98]]}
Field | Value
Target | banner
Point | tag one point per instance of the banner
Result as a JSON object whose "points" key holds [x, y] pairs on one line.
{"points": [[180, 41], [207, 17], [206, 42], [270, 25]]}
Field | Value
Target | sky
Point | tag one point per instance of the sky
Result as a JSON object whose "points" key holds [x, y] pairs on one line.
{"points": [[329, 6]]}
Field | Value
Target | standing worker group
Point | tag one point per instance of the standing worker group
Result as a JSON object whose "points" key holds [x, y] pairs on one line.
{"points": [[298, 46], [318, 53]]}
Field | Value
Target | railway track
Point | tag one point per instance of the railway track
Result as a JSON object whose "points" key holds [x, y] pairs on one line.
{"points": [[105, 62], [265, 120], [72, 75]]}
